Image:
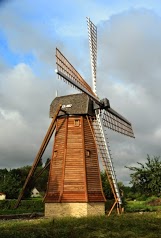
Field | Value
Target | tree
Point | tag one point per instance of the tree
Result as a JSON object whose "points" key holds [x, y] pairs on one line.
{"points": [[40, 182], [12, 181], [47, 162], [40, 164], [3, 173], [11, 185], [106, 186], [146, 179], [124, 190]]}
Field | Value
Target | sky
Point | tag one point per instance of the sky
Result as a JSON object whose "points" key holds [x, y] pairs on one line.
{"points": [[128, 72]]}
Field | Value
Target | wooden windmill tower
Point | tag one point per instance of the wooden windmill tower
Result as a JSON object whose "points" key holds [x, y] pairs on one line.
{"points": [[79, 122]]}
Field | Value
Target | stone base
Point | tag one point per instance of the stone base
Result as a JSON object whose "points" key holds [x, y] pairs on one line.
{"points": [[74, 209]]}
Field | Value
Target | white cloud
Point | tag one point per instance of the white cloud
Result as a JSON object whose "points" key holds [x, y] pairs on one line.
{"points": [[129, 76], [24, 110], [129, 72], [10, 115]]}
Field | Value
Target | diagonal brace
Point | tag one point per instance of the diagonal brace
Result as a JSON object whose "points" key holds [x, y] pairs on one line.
{"points": [[39, 154]]}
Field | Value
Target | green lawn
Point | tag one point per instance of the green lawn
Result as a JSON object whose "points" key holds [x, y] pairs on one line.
{"points": [[140, 206], [146, 225]]}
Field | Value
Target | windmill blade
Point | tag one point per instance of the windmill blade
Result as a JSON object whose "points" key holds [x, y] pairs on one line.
{"points": [[111, 118], [92, 35], [65, 67], [67, 72], [116, 122]]}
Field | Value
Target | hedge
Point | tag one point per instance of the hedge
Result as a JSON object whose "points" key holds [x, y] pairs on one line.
{"points": [[32, 205]]}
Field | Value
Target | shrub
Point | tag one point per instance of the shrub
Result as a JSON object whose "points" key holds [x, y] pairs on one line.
{"points": [[32, 205]]}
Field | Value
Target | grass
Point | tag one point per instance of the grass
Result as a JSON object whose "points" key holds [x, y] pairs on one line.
{"points": [[141, 206], [136, 206], [137, 224], [146, 225]]}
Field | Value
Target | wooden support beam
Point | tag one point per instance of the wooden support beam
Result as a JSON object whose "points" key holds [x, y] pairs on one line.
{"points": [[41, 172], [64, 159], [39, 154]]}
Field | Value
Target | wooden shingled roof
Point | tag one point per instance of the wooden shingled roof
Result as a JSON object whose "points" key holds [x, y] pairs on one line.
{"points": [[74, 104]]}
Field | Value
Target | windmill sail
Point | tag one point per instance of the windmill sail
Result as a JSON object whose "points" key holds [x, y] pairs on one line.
{"points": [[117, 123], [68, 73], [65, 67], [111, 118], [92, 34]]}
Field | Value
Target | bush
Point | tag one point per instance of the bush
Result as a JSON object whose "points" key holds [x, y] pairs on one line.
{"points": [[32, 205], [141, 206], [142, 198]]}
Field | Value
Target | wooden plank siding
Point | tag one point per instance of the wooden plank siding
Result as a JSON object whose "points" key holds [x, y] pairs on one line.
{"points": [[74, 174], [94, 185], [54, 187], [74, 186]]}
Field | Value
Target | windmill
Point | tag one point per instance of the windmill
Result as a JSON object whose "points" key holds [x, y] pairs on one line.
{"points": [[79, 122]]}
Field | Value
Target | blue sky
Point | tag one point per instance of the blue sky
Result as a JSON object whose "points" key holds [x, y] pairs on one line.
{"points": [[129, 59], [63, 20]]}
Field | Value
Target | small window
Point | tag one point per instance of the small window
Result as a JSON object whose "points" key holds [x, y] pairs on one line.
{"points": [[77, 122], [87, 153]]}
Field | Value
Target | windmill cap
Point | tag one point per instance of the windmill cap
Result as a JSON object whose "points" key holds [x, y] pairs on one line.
{"points": [[74, 104], [106, 103]]}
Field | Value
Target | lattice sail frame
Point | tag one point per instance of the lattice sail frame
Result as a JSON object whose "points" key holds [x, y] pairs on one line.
{"points": [[92, 36], [64, 66], [111, 119], [116, 124]]}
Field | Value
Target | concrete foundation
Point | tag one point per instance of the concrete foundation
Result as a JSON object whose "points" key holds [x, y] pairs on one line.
{"points": [[74, 209]]}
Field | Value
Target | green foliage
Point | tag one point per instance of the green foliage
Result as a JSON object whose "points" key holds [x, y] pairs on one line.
{"points": [[147, 205], [10, 185], [140, 206], [124, 226], [12, 181], [147, 178], [41, 182], [47, 162], [106, 186], [26, 206]]}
